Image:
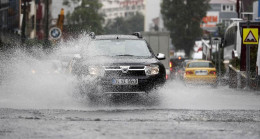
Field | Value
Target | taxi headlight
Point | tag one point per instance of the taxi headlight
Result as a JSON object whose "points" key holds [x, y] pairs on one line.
{"points": [[96, 70], [152, 70]]}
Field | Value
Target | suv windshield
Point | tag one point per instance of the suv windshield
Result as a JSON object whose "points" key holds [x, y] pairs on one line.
{"points": [[118, 48], [201, 64]]}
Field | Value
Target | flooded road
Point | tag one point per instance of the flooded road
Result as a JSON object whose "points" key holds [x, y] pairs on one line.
{"points": [[36, 103], [175, 112], [134, 123]]}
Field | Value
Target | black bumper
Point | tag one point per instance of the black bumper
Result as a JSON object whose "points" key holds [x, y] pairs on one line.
{"points": [[145, 84]]}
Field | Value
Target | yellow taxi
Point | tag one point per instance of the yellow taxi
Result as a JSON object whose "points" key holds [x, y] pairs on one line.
{"points": [[201, 72]]}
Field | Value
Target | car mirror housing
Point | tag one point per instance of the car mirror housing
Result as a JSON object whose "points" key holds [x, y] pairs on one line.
{"points": [[161, 56]]}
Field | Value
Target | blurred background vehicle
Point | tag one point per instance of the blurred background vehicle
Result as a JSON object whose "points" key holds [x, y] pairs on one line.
{"points": [[200, 72], [176, 66], [182, 68], [160, 43]]}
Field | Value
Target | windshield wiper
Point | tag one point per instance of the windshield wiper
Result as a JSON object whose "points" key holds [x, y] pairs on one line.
{"points": [[125, 55]]}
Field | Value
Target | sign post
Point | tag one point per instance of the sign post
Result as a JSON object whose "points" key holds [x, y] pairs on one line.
{"points": [[250, 36]]}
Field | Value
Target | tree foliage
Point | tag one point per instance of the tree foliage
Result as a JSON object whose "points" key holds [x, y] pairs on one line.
{"points": [[182, 18], [129, 25], [85, 16]]}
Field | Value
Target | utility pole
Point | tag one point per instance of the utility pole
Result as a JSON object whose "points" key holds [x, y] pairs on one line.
{"points": [[23, 37], [248, 61], [238, 8], [219, 62], [46, 39], [248, 72], [258, 9]]}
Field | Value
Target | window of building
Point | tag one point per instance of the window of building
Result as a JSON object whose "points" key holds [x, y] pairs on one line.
{"points": [[226, 22], [227, 8]]}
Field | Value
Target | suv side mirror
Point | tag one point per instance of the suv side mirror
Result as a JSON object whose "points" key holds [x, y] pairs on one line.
{"points": [[161, 56]]}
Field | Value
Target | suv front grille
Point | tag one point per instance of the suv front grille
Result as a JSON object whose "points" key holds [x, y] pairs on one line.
{"points": [[116, 71]]}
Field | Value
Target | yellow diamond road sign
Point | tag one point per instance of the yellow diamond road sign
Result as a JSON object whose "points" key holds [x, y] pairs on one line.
{"points": [[250, 36]]}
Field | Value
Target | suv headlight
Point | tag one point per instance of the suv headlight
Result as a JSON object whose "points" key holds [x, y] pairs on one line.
{"points": [[152, 70], [96, 70]]}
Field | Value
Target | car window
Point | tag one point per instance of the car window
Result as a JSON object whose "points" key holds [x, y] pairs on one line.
{"points": [[200, 64], [137, 48]]}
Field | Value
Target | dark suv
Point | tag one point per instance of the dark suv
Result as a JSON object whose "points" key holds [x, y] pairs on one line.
{"points": [[116, 64]]}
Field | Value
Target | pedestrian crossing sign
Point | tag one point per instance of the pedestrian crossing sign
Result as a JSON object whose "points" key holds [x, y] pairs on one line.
{"points": [[250, 36]]}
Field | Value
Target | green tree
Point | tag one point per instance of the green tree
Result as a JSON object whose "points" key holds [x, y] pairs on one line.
{"points": [[85, 16], [182, 18], [129, 25]]}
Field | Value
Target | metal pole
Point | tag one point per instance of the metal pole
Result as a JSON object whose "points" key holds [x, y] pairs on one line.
{"points": [[216, 55], [258, 9], [238, 8], [219, 62], [47, 24], [23, 37], [248, 65], [248, 61]]}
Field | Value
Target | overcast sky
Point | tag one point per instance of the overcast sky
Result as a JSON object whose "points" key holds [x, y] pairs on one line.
{"points": [[152, 11]]}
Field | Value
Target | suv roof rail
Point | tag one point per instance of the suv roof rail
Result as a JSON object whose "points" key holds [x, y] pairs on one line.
{"points": [[137, 34], [92, 35]]}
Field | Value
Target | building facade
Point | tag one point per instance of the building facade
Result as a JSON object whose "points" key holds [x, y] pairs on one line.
{"points": [[221, 11], [153, 16], [9, 20], [121, 8], [4, 6], [256, 14]]}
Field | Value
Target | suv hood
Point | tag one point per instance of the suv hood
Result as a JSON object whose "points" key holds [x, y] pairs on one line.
{"points": [[119, 61]]}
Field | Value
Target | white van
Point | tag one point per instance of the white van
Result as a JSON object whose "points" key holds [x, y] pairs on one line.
{"points": [[232, 41]]}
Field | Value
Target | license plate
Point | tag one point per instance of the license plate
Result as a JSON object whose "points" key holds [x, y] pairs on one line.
{"points": [[125, 81], [201, 72]]}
